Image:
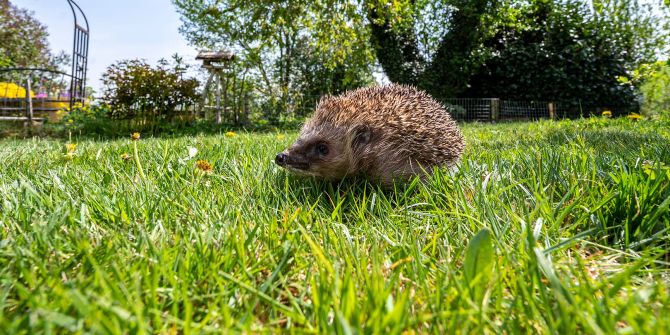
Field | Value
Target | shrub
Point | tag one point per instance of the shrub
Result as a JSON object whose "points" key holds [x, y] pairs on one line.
{"points": [[656, 90], [132, 88], [86, 118]]}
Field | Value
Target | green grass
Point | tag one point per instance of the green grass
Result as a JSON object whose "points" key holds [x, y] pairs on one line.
{"points": [[577, 213]]}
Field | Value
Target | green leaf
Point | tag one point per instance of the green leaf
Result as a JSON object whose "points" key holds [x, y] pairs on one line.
{"points": [[478, 265]]}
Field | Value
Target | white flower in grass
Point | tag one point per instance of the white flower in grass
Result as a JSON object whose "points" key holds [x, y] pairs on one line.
{"points": [[192, 152]]}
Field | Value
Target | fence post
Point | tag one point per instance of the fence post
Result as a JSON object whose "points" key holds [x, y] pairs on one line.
{"points": [[552, 110], [226, 113], [495, 109], [29, 102], [219, 87]]}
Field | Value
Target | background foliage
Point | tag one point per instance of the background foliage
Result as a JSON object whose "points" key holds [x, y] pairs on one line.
{"points": [[576, 51], [656, 89], [585, 54], [134, 88], [24, 40], [278, 40], [525, 50]]}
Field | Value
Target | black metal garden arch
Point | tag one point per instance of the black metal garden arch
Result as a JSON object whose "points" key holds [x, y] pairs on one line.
{"points": [[24, 79], [79, 54]]}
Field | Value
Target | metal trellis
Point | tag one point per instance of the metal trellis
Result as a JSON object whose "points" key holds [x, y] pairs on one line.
{"points": [[79, 55], [44, 90]]}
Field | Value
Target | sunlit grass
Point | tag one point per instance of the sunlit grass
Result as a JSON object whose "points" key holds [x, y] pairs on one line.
{"points": [[220, 238]]}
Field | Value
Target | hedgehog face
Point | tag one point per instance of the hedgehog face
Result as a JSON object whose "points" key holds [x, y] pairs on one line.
{"points": [[328, 153], [316, 156]]}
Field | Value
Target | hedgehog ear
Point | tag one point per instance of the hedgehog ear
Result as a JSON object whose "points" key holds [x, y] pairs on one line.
{"points": [[362, 136]]}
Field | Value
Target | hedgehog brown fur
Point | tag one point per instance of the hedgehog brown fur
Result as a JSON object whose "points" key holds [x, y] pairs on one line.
{"points": [[388, 133]]}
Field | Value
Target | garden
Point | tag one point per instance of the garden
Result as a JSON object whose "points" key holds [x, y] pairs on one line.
{"points": [[144, 209]]}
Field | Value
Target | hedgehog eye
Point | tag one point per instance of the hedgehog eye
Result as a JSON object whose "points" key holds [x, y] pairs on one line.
{"points": [[322, 149]]}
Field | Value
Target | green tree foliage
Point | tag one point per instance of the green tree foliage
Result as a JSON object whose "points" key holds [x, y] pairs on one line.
{"points": [[268, 37], [24, 40], [135, 89], [413, 52], [314, 78], [572, 50], [566, 51], [395, 42], [530, 50], [655, 89]]}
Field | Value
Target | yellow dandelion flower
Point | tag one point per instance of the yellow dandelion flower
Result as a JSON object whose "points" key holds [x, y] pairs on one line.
{"points": [[280, 137], [634, 116], [126, 156], [203, 165], [607, 113], [135, 136], [231, 134], [70, 148]]}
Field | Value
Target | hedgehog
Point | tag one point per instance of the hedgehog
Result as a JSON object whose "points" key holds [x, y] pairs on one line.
{"points": [[390, 133]]}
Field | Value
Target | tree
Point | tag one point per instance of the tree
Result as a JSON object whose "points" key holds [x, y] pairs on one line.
{"points": [[24, 40], [529, 49], [313, 78], [535, 49], [266, 34], [444, 71], [569, 52], [655, 87]]}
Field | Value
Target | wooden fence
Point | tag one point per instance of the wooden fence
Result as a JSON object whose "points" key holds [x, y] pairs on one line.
{"points": [[494, 109], [37, 108]]}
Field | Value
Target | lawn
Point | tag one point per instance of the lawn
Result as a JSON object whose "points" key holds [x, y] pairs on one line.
{"points": [[571, 222]]}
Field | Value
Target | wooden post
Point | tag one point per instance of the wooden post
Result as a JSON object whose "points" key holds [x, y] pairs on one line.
{"points": [[225, 96], [201, 111], [495, 109], [219, 87], [29, 102], [552, 110]]}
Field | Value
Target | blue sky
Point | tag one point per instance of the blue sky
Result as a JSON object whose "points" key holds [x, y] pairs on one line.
{"points": [[121, 29]]}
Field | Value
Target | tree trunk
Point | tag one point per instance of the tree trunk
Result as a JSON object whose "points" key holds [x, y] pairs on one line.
{"points": [[447, 73]]}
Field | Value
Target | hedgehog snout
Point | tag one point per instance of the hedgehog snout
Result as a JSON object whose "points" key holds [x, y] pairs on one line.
{"points": [[292, 161], [280, 159]]}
